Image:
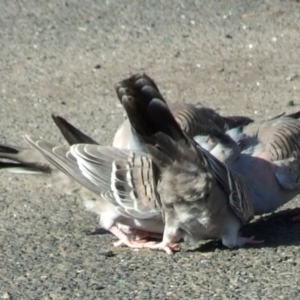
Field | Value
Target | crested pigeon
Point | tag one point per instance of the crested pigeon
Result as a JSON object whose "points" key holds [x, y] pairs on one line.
{"points": [[173, 179], [268, 160], [30, 161], [194, 119]]}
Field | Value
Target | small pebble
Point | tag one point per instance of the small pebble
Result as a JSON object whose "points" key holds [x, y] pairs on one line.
{"points": [[292, 77], [107, 253], [6, 296], [97, 287], [177, 54]]}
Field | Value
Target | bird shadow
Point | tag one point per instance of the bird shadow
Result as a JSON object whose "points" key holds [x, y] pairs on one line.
{"points": [[276, 229], [96, 231]]}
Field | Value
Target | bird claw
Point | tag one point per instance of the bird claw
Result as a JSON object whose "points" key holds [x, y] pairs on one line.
{"points": [[250, 240], [296, 218], [139, 244], [149, 245], [130, 243], [168, 248], [124, 239]]}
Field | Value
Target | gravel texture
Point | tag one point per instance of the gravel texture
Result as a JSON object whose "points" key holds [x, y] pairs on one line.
{"points": [[239, 57]]}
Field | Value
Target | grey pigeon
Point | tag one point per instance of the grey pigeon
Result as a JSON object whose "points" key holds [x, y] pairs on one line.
{"points": [[173, 180], [268, 160], [30, 161], [194, 119]]}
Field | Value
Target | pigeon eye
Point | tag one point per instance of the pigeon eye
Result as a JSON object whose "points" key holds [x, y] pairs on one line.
{"points": [[241, 144]]}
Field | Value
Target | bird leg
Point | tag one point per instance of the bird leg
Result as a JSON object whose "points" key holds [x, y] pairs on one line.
{"points": [[241, 241], [166, 245], [124, 239], [169, 242], [163, 246], [296, 218], [230, 237], [141, 235], [146, 235]]}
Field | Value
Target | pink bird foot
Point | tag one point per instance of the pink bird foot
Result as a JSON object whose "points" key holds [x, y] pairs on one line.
{"points": [[167, 247], [125, 240], [139, 244], [250, 240], [296, 218]]}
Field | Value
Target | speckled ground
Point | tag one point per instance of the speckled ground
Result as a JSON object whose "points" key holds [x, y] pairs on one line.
{"points": [[240, 57]]}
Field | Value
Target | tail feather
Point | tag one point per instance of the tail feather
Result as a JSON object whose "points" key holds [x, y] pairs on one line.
{"points": [[72, 134], [237, 121], [26, 161], [146, 108], [29, 161], [8, 150], [295, 115]]}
